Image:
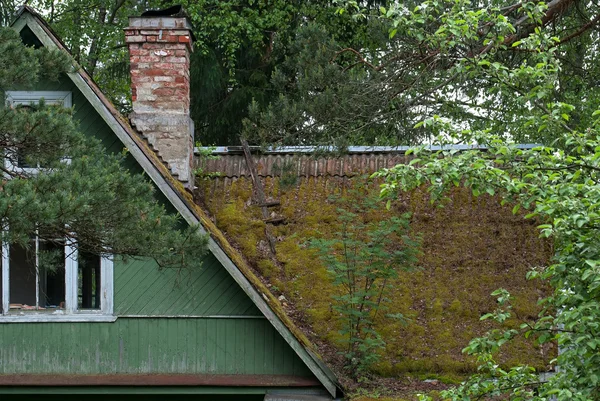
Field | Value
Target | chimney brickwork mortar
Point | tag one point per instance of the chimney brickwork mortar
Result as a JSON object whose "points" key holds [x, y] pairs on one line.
{"points": [[159, 55]]}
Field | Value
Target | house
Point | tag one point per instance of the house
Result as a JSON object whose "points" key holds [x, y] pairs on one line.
{"points": [[216, 333], [250, 322]]}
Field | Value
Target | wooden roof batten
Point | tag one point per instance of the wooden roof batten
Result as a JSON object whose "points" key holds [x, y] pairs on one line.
{"points": [[183, 202]]}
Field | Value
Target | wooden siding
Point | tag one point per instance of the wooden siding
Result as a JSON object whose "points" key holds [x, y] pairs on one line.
{"points": [[141, 288], [148, 345]]}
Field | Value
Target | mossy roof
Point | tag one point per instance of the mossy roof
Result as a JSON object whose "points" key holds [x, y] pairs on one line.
{"points": [[470, 247]]}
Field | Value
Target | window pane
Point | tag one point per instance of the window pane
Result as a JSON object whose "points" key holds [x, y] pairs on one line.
{"points": [[22, 277], [52, 274], [88, 279]]}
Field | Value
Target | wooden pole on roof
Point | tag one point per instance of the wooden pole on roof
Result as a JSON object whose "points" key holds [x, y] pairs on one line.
{"points": [[260, 193]]}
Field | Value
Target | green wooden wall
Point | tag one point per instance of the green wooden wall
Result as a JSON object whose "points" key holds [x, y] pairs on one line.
{"points": [[169, 321], [141, 288], [147, 345]]}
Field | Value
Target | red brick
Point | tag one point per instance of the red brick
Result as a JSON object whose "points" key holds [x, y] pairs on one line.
{"points": [[166, 66], [164, 80], [135, 38], [149, 59], [178, 60], [164, 52], [173, 72], [155, 71], [184, 39], [175, 46], [167, 38], [137, 52], [153, 46], [141, 79], [175, 85], [163, 92]]}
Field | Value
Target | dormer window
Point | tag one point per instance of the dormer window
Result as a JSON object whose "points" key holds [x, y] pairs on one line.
{"points": [[50, 279]]}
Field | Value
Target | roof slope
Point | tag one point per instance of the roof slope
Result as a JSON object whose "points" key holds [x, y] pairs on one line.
{"points": [[470, 247], [183, 201]]}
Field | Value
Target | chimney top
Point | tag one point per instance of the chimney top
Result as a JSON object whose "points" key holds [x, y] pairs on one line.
{"points": [[169, 18], [174, 11]]}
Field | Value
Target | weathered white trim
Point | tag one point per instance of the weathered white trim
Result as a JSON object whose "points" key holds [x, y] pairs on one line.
{"points": [[71, 267], [273, 318], [28, 97], [51, 97], [70, 313], [32, 317], [107, 285], [5, 282], [19, 24], [37, 268]]}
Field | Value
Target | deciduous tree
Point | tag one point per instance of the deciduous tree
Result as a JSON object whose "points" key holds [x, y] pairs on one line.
{"points": [[555, 183]]}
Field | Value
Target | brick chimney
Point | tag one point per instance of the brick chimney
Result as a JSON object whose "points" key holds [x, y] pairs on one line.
{"points": [[159, 44]]}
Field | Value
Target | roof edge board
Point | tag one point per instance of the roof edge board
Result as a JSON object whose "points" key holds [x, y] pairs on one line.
{"points": [[46, 37]]}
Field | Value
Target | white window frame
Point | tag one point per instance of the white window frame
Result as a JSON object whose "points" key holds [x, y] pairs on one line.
{"points": [[28, 97], [70, 313]]}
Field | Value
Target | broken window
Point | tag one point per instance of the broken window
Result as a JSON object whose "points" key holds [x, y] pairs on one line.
{"points": [[53, 278]]}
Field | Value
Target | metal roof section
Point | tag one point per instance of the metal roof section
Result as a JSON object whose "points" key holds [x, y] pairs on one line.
{"points": [[284, 150], [302, 161], [183, 201]]}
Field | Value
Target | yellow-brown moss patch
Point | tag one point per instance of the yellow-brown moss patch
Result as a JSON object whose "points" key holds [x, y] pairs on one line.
{"points": [[470, 247]]}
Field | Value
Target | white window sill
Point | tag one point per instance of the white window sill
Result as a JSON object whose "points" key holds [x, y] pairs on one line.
{"points": [[51, 318]]}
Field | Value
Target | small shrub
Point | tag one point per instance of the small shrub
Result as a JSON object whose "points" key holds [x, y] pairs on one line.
{"points": [[363, 257]]}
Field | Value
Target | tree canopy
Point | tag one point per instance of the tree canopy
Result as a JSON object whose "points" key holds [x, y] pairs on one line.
{"points": [[517, 62], [297, 72], [469, 61], [240, 45], [79, 192]]}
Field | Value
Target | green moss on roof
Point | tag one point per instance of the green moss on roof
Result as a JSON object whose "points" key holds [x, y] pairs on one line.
{"points": [[470, 247]]}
